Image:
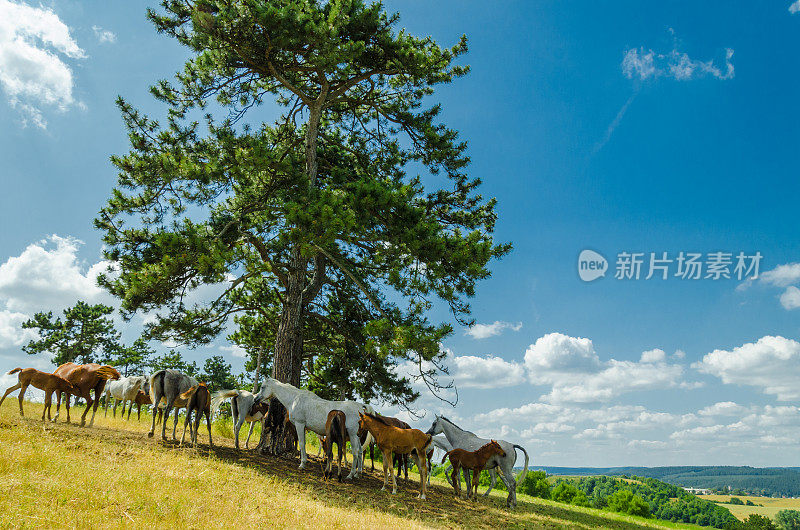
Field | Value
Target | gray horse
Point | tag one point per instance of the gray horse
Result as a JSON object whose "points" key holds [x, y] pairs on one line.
{"points": [[168, 385], [461, 439]]}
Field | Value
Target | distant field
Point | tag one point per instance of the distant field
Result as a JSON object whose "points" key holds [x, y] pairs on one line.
{"points": [[770, 506], [113, 476]]}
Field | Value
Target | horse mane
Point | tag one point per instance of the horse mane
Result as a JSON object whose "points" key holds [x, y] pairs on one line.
{"points": [[451, 422], [377, 418]]}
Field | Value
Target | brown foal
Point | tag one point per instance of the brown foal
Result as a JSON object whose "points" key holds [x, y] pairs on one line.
{"points": [[392, 440], [198, 401], [335, 433], [43, 381], [140, 399], [474, 460], [87, 377]]}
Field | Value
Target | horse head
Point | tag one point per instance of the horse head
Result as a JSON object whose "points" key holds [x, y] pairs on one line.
{"points": [[496, 448], [436, 428], [362, 425]]}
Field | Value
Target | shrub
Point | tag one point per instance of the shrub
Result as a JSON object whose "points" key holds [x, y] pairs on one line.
{"points": [[625, 501], [788, 519], [736, 500], [535, 485]]}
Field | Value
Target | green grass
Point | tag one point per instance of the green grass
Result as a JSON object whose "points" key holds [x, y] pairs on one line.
{"points": [[112, 475]]}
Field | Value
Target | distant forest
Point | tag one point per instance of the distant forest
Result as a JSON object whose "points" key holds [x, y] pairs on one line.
{"points": [[768, 482]]}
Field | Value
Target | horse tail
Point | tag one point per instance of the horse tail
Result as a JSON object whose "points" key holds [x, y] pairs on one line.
{"points": [[445, 456], [188, 394], [427, 444], [107, 372], [15, 370], [155, 379], [521, 476], [218, 397]]}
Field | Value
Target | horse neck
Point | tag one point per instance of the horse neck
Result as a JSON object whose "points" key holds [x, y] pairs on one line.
{"points": [[451, 432], [285, 393]]}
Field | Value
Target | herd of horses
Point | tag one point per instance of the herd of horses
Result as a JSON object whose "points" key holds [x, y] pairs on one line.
{"points": [[286, 413]]}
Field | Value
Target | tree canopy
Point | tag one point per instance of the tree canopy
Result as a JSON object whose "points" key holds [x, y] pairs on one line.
{"points": [[338, 225], [83, 335]]}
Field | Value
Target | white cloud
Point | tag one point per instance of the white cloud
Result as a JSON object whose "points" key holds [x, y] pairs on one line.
{"points": [[794, 7], [33, 41], [484, 331], [235, 350], [654, 356], [104, 35], [469, 371], [573, 369], [790, 299], [646, 64], [723, 408], [11, 333], [48, 275], [782, 275], [771, 364]]}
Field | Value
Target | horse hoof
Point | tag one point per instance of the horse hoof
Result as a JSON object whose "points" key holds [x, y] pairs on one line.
{"points": [[149, 435], [383, 488]]}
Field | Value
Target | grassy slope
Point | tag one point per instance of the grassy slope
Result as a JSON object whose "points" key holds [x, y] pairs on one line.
{"points": [[770, 506], [113, 475]]}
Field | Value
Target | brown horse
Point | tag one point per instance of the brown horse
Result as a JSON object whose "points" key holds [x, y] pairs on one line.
{"points": [[289, 437], [198, 400], [87, 377], [43, 381], [335, 433], [474, 460], [390, 440], [141, 398]]}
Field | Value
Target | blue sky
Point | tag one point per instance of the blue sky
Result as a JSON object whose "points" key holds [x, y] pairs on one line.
{"points": [[614, 127]]}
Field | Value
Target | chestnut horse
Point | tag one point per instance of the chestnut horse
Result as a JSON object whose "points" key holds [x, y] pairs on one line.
{"points": [[87, 377], [142, 398], [474, 460], [392, 440], [198, 401], [43, 381]]}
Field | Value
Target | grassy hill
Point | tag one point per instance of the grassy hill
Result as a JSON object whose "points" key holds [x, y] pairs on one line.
{"points": [[767, 506], [114, 476]]}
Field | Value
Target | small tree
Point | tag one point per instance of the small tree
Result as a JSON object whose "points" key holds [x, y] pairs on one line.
{"points": [[133, 359], [173, 360], [217, 373], [83, 335], [788, 519], [759, 522]]}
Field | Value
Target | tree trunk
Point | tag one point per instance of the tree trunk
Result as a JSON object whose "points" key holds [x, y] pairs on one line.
{"points": [[288, 339], [258, 369]]}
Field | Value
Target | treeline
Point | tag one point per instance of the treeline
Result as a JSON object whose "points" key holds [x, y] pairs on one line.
{"points": [[639, 496], [739, 480]]}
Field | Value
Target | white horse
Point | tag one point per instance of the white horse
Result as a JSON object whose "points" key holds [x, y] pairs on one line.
{"points": [[309, 411], [462, 439], [123, 390], [244, 409]]}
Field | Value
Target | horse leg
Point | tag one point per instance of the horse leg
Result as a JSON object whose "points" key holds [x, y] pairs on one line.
{"points": [[9, 391], [165, 416], [493, 475], [107, 402], [339, 448], [301, 440], [175, 424], [385, 470], [98, 391], [422, 464], [21, 399], [249, 433], [391, 472], [208, 424], [476, 478], [507, 476], [185, 424], [157, 400], [198, 417], [355, 445]]}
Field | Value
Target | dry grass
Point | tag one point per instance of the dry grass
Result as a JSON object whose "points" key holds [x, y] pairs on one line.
{"points": [[114, 476], [770, 506]]}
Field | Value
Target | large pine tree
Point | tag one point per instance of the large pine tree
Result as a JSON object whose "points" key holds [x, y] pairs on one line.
{"points": [[353, 209]]}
